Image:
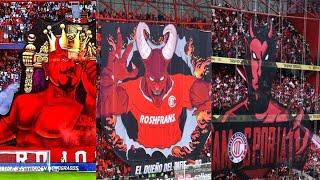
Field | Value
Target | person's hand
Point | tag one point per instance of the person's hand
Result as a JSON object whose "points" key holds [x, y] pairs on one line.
{"points": [[200, 67], [116, 62], [178, 152], [204, 118]]}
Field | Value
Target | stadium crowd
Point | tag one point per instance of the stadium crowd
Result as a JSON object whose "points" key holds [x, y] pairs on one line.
{"points": [[291, 92], [108, 163], [230, 30], [190, 21], [310, 170], [228, 39], [17, 18], [283, 172], [227, 90], [9, 68], [312, 166]]}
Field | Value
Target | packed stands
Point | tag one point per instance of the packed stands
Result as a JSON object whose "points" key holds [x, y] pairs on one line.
{"points": [[227, 90], [230, 30], [108, 163], [17, 18], [190, 22], [291, 92], [229, 34], [228, 40], [290, 88], [312, 166], [10, 68]]}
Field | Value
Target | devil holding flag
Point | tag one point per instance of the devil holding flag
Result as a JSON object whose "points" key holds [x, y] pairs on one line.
{"points": [[259, 134], [155, 112]]}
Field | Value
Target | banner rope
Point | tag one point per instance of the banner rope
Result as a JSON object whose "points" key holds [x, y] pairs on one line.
{"points": [[312, 117], [236, 61]]}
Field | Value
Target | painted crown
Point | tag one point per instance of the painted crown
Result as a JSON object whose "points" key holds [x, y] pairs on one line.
{"points": [[75, 43]]}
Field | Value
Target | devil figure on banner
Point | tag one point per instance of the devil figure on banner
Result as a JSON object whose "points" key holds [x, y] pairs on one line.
{"points": [[258, 133], [54, 117], [144, 115]]}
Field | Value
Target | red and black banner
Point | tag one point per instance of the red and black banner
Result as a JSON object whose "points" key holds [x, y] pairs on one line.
{"points": [[154, 98], [253, 131]]}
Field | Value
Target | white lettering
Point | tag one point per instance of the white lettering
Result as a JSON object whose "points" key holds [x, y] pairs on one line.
{"points": [[138, 170], [21, 157], [153, 168], [145, 119], [44, 157], [167, 167], [84, 156], [141, 118], [173, 118], [162, 119]]}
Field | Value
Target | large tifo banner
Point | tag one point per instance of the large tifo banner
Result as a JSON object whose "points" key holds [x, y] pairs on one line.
{"points": [[154, 99], [258, 126], [54, 110]]}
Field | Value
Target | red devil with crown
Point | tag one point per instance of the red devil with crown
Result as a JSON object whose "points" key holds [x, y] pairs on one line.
{"points": [[54, 117]]}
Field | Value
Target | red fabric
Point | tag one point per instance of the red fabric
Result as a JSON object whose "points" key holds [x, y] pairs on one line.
{"points": [[160, 121]]}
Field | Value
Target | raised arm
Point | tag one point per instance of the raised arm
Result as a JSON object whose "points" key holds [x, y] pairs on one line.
{"points": [[113, 99]]}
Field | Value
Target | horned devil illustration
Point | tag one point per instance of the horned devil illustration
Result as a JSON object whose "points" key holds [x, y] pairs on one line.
{"points": [[259, 108], [260, 71], [156, 82], [156, 100]]}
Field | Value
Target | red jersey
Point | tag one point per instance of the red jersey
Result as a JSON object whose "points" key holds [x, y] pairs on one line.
{"points": [[158, 127]]}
